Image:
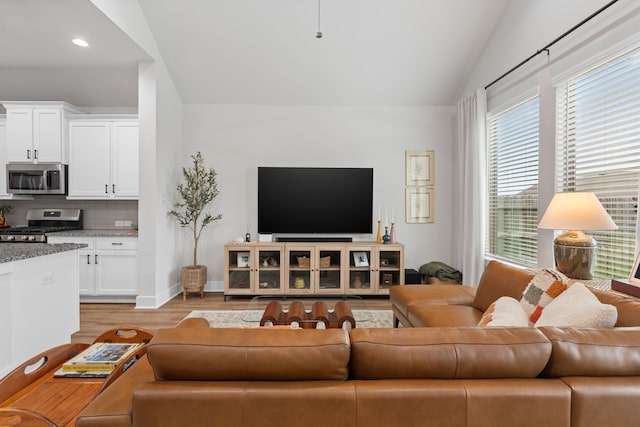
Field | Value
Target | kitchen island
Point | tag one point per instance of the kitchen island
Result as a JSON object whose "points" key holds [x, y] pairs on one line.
{"points": [[39, 299]]}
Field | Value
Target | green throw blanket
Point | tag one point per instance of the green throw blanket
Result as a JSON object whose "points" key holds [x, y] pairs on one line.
{"points": [[440, 270]]}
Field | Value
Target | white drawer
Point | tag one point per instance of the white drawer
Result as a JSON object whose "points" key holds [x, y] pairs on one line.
{"points": [[115, 243]]}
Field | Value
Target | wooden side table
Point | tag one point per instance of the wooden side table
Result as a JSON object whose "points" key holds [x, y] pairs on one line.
{"points": [[30, 395]]}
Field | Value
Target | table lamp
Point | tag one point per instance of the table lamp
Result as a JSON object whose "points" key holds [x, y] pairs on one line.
{"points": [[574, 252]]}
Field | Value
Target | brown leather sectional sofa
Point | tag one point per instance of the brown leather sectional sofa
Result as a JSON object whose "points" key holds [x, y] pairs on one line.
{"points": [[460, 305], [195, 376]]}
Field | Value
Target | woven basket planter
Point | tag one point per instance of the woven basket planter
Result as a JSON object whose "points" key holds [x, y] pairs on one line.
{"points": [[193, 280]]}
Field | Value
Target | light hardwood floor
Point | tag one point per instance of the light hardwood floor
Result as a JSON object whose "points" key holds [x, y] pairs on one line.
{"points": [[97, 318]]}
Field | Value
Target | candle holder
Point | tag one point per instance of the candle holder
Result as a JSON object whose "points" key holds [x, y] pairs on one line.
{"points": [[379, 236], [393, 233]]}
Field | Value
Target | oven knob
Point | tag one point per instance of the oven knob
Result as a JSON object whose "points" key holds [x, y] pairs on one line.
{"points": [[11, 237], [31, 238]]}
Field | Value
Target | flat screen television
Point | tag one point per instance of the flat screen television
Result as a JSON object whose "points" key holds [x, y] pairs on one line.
{"points": [[315, 200]]}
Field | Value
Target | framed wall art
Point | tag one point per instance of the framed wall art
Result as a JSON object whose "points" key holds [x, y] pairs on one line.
{"points": [[419, 205], [419, 168]]}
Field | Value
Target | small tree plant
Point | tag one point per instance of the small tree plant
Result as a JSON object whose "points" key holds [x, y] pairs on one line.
{"points": [[197, 191]]}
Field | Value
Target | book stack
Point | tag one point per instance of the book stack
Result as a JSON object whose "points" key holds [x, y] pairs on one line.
{"points": [[98, 360]]}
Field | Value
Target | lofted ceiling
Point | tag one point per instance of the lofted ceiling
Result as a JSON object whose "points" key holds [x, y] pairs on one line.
{"points": [[373, 52]]}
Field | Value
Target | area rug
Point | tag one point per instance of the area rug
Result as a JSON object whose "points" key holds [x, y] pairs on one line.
{"points": [[234, 318]]}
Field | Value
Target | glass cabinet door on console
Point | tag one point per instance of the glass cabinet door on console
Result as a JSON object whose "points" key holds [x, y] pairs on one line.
{"points": [[250, 269], [300, 268], [268, 270], [328, 271], [390, 268], [238, 261], [361, 270]]}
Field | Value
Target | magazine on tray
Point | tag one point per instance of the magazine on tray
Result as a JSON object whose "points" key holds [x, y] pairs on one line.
{"points": [[101, 357]]}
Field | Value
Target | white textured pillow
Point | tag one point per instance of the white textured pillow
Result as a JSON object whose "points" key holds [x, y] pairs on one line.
{"points": [[505, 311], [578, 307]]}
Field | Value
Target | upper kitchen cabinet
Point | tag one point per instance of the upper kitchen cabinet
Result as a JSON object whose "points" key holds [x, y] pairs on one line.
{"points": [[103, 160], [37, 132]]}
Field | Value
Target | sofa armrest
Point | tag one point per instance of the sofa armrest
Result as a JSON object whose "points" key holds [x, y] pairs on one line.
{"points": [[112, 407]]}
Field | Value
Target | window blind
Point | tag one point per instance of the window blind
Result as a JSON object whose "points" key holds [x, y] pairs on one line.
{"points": [[513, 139], [598, 149]]}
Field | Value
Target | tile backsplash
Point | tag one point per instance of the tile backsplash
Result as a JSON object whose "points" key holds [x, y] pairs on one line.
{"points": [[96, 214]]}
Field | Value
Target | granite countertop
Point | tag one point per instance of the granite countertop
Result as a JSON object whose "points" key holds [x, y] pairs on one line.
{"points": [[95, 233], [18, 251]]}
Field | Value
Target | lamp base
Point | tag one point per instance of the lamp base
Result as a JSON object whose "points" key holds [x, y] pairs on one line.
{"points": [[575, 255]]}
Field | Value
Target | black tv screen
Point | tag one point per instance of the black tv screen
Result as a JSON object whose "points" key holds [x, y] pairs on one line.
{"points": [[315, 200]]}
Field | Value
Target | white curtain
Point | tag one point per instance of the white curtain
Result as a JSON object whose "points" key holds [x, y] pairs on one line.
{"points": [[470, 187]]}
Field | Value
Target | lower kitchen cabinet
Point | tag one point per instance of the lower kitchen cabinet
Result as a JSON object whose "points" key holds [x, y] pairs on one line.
{"points": [[108, 267]]}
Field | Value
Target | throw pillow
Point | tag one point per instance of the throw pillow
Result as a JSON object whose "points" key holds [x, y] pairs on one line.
{"points": [[505, 311], [578, 307], [541, 290]]}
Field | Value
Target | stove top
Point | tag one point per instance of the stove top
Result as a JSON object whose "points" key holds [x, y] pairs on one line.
{"points": [[40, 222]]}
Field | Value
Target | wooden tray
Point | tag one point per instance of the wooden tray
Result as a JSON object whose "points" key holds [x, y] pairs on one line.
{"points": [[30, 396]]}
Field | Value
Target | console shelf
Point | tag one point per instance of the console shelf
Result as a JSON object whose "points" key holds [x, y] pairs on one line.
{"points": [[312, 268]]}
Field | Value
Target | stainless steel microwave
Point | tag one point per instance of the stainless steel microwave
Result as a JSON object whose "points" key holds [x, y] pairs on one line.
{"points": [[41, 178]]}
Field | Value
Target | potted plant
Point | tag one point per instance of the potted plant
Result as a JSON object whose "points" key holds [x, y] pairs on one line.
{"points": [[4, 209], [197, 191]]}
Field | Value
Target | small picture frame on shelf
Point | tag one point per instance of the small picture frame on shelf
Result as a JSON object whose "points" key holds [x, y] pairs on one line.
{"points": [[243, 259], [387, 279], [360, 259], [634, 277]]}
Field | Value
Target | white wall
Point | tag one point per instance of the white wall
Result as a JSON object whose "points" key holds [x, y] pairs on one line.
{"points": [[160, 113], [525, 27], [236, 139]]}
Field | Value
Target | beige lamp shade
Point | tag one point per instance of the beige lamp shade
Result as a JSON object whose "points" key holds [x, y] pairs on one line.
{"points": [[576, 211]]}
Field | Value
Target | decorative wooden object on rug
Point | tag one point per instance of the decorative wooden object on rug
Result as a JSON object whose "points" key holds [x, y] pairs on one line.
{"points": [[276, 315]]}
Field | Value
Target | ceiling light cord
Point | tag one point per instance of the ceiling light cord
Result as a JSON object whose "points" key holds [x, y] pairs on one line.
{"points": [[318, 33]]}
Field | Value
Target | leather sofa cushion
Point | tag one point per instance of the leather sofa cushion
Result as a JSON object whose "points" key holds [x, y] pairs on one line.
{"points": [[448, 353], [500, 280], [404, 296], [245, 403], [593, 352], [249, 354], [443, 315], [604, 401]]}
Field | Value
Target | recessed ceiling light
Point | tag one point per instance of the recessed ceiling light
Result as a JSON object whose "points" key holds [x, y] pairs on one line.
{"points": [[80, 42]]}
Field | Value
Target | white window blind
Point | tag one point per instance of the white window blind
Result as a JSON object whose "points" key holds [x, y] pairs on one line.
{"points": [[598, 149], [512, 215]]}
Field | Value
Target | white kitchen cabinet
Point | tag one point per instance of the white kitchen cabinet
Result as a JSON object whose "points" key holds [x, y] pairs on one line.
{"points": [[108, 267], [3, 156], [37, 132], [103, 159]]}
